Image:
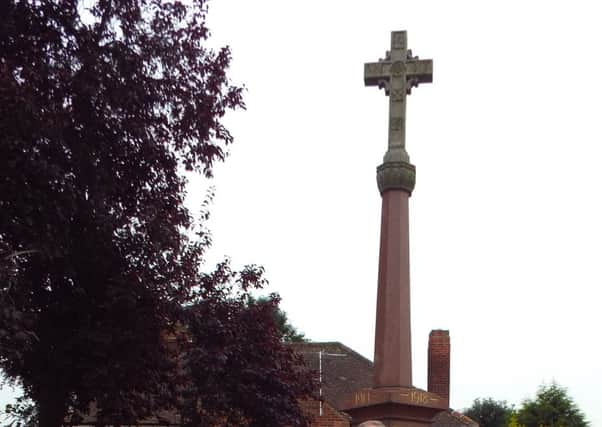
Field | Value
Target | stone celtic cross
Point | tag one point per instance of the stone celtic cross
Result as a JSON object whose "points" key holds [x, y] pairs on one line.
{"points": [[398, 73]]}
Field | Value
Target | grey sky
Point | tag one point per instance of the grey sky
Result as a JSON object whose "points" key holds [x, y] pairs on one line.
{"points": [[505, 219]]}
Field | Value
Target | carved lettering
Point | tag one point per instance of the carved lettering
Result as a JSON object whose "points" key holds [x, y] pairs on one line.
{"points": [[419, 397], [361, 398]]}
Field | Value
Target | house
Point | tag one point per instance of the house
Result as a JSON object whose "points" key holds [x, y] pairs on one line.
{"points": [[343, 370]]}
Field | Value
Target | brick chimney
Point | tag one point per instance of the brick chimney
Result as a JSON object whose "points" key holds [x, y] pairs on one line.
{"points": [[438, 363]]}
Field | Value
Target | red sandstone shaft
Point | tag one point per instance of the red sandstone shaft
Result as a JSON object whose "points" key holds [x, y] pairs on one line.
{"points": [[393, 345]]}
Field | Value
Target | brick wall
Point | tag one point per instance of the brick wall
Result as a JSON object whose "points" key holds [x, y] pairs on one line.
{"points": [[330, 417], [438, 363]]}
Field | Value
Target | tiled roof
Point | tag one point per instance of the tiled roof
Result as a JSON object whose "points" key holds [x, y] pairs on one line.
{"points": [[451, 418], [345, 371]]}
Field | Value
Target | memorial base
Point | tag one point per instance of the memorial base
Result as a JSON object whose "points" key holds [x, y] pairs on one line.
{"points": [[395, 406]]}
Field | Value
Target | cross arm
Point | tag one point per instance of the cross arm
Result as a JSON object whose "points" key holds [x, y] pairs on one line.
{"points": [[420, 70], [376, 71]]}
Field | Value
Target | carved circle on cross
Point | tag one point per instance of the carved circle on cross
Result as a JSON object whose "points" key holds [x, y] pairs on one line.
{"points": [[397, 68]]}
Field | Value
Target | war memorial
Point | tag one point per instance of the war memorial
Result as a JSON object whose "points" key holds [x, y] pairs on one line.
{"points": [[392, 399], [360, 392]]}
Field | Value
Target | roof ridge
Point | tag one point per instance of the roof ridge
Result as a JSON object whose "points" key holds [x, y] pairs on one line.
{"points": [[346, 348]]}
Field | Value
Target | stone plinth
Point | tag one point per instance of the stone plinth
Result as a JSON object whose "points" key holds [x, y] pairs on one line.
{"points": [[395, 406]]}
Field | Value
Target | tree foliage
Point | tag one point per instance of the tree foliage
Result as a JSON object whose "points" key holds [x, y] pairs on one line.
{"points": [[552, 407], [489, 412], [223, 377], [288, 332], [513, 421], [102, 105]]}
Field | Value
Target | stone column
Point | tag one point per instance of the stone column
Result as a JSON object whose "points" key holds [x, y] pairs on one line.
{"points": [[393, 400], [393, 341]]}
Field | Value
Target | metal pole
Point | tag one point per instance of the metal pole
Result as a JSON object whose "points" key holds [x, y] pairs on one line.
{"points": [[320, 358], [320, 353]]}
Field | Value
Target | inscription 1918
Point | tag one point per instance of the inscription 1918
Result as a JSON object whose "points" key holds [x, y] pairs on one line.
{"points": [[419, 397]]}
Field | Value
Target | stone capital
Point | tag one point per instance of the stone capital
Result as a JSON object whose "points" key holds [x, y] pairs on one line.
{"points": [[396, 176]]}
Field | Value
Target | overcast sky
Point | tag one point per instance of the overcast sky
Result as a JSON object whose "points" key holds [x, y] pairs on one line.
{"points": [[506, 217]]}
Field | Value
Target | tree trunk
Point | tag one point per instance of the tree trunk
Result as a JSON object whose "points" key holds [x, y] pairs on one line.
{"points": [[51, 410]]}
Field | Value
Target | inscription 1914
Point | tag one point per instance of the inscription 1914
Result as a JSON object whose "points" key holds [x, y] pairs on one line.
{"points": [[361, 398]]}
